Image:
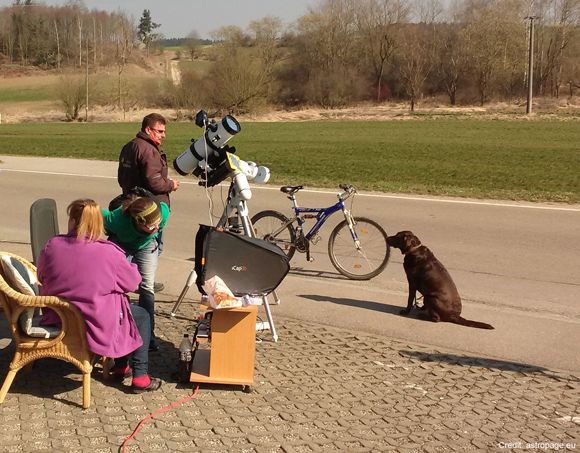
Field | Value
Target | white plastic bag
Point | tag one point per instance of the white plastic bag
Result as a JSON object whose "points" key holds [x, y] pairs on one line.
{"points": [[219, 295]]}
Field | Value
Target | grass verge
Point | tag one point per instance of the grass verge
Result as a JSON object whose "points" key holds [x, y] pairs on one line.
{"points": [[517, 160]]}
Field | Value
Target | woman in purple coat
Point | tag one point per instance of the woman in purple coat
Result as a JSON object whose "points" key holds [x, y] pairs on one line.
{"points": [[94, 275]]}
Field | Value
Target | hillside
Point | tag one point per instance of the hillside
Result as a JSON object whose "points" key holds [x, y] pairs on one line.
{"points": [[29, 94]]}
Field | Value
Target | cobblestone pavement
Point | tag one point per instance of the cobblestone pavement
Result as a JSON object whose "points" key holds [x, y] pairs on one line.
{"points": [[318, 388]]}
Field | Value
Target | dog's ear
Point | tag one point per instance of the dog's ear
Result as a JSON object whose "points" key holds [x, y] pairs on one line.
{"points": [[415, 242]]}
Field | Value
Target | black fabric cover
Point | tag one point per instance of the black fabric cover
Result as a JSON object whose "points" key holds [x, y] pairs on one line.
{"points": [[246, 265]]}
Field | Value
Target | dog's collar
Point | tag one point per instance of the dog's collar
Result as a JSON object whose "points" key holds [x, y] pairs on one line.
{"points": [[412, 249]]}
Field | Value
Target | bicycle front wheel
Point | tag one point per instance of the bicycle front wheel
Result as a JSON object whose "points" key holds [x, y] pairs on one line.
{"points": [[275, 227], [366, 262]]}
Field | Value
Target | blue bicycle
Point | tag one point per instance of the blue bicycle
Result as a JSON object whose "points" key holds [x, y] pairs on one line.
{"points": [[357, 246]]}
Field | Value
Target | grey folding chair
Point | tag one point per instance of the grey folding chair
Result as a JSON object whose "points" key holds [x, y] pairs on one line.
{"points": [[43, 224]]}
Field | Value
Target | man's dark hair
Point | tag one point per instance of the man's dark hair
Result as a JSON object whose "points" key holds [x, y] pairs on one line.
{"points": [[151, 120]]}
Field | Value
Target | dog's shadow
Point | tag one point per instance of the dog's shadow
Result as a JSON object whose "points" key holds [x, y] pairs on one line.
{"points": [[368, 305]]}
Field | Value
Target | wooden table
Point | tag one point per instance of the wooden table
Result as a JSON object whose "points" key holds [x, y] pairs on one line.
{"points": [[230, 359]]}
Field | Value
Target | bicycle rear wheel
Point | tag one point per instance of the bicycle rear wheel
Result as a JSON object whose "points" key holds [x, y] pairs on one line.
{"points": [[363, 264], [275, 227]]}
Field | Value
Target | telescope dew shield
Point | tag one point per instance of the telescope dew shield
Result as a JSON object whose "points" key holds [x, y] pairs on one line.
{"points": [[218, 134]]}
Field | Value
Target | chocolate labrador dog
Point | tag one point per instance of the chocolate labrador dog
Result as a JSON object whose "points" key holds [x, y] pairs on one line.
{"points": [[426, 274]]}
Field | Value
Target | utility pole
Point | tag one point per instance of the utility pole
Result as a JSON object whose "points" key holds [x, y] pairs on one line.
{"points": [[530, 65], [87, 85]]}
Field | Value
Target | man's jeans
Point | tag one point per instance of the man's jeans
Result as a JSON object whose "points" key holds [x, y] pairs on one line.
{"points": [[146, 260]]}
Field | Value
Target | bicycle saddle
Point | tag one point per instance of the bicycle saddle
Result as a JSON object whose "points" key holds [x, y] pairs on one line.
{"points": [[291, 189]]}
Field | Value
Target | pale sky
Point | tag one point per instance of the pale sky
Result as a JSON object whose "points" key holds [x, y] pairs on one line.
{"points": [[179, 17]]}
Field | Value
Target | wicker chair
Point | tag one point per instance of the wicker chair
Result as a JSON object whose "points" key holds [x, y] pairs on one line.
{"points": [[69, 345]]}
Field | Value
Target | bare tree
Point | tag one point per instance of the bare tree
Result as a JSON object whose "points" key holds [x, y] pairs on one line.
{"points": [[266, 37], [377, 23], [57, 44], [490, 40], [428, 11], [237, 85], [243, 74], [327, 51], [451, 61], [415, 61], [6, 35], [80, 25], [266, 33], [21, 26], [558, 22], [189, 93], [231, 36], [125, 42], [71, 93]]}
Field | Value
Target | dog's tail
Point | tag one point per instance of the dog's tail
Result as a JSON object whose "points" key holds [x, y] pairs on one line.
{"points": [[468, 323]]}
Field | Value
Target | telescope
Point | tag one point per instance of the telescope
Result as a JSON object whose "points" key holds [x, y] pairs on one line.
{"points": [[212, 160]]}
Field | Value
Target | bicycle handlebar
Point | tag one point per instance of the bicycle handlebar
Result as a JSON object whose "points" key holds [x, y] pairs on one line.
{"points": [[348, 191]]}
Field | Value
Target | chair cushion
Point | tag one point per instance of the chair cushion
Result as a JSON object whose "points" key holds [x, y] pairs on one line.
{"points": [[19, 277], [23, 280]]}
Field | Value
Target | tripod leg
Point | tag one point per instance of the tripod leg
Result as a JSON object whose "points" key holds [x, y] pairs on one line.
{"points": [[270, 319], [277, 300], [242, 208], [190, 281]]}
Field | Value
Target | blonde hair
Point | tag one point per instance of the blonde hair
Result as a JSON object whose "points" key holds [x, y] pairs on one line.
{"points": [[88, 220]]}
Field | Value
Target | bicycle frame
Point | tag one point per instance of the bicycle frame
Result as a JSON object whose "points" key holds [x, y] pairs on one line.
{"points": [[322, 215]]}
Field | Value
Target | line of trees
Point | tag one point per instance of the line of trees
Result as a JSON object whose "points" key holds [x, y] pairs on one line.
{"points": [[351, 50], [341, 52], [59, 36]]}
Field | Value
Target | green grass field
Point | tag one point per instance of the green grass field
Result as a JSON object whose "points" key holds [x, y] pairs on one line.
{"points": [[16, 91], [28, 89], [520, 160]]}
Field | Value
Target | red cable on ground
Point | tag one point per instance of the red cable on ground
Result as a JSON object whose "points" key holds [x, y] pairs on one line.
{"points": [[158, 412]]}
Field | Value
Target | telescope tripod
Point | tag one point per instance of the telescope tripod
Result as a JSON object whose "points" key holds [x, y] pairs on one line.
{"points": [[241, 209]]}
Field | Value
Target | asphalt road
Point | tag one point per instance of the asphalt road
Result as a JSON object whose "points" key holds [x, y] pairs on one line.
{"points": [[516, 265]]}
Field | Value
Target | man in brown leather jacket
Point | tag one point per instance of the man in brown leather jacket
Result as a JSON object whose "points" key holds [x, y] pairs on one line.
{"points": [[143, 164]]}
